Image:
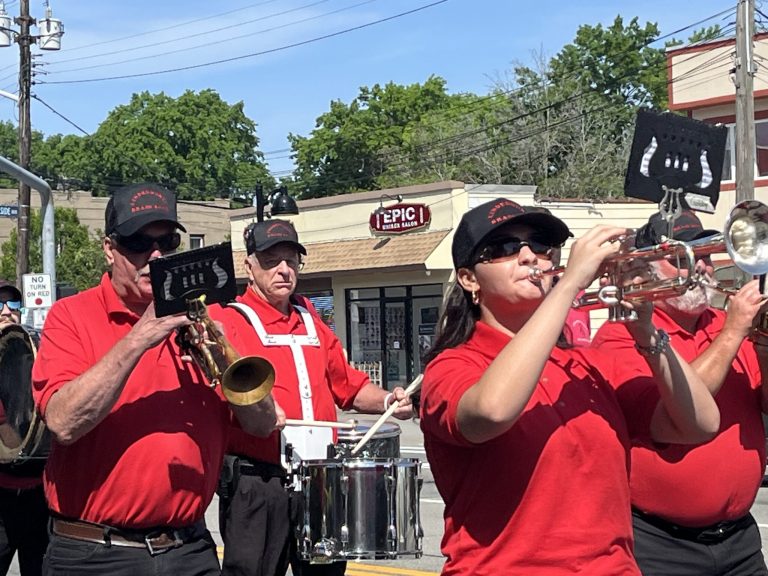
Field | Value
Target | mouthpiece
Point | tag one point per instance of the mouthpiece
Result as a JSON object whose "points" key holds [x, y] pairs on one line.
{"points": [[536, 274]]}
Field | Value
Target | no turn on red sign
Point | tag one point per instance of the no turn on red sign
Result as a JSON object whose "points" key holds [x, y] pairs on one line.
{"points": [[36, 289]]}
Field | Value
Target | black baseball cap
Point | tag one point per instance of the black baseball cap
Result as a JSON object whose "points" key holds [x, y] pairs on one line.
{"points": [[6, 285], [685, 227], [261, 236], [478, 223], [132, 207]]}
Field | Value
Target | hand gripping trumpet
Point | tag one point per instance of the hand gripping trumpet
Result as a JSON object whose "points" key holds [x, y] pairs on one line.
{"points": [[617, 287], [244, 380]]}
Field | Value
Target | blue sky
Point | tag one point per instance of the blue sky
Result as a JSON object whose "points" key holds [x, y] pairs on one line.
{"points": [[467, 42]]}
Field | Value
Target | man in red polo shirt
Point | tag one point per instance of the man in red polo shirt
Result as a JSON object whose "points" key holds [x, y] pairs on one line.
{"points": [[688, 520], [312, 378], [23, 510], [138, 435]]}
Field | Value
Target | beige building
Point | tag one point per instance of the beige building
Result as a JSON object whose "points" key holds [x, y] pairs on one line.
{"points": [[382, 291], [701, 86], [206, 222]]}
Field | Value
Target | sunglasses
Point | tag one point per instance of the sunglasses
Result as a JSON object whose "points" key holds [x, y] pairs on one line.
{"points": [[511, 247], [140, 243], [267, 263], [12, 304]]}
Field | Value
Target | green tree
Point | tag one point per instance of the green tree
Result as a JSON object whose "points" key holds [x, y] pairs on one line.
{"points": [[196, 144], [344, 152], [79, 257]]}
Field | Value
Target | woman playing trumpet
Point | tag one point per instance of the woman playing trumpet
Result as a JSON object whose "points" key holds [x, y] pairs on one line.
{"points": [[529, 443]]}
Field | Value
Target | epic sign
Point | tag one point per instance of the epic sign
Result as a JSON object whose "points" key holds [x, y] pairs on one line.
{"points": [[400, 218]]}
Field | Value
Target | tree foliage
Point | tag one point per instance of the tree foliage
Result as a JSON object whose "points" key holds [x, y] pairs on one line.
{"points": [[353, 144], [196, 144], [79, 257]]}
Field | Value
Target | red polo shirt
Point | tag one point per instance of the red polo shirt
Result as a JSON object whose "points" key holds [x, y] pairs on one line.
{"points": [[334, 382], [549, 496], [155, 459], [677, 482]]}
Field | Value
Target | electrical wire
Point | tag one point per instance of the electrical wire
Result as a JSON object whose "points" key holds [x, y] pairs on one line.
{"points": [[250, 34], [181, 39], [254, 54], [180, 25]]}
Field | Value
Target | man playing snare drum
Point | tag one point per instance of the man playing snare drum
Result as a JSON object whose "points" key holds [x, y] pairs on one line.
{"points": [[257, 514]]}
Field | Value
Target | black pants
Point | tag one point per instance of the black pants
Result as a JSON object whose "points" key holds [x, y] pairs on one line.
{"points": [[661, 552], [257, 519], [69, 557], [23, 528]]}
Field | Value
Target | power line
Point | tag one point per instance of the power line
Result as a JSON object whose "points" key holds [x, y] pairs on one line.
{"points": [[59, 114], [180, 25], [182, 38], [229, 39], [254, 54]]}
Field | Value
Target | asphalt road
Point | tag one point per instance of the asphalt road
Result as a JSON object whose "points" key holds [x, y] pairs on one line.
{"points": [[430, 563]]}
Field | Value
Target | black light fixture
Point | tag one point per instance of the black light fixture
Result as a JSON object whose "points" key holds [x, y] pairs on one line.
{"points": [[398, 198], [280, 203]]}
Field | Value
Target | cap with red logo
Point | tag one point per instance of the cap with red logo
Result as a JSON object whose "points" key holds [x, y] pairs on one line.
{"points": [[685, 227], [133, 207], [479, 222], [261, 236]]}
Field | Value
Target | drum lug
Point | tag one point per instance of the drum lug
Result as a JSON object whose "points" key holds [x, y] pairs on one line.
{"points": [[324, 551], [344, 536]]}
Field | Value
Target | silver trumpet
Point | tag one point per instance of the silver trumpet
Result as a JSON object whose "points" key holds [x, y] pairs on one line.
{"points": [[745, 239]]}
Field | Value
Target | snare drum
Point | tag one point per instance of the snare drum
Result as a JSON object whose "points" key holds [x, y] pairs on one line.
{"points": [[385, 443], [360, 509]]}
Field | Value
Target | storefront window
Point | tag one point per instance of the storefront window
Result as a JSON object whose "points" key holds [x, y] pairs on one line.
{"points": [[390, 329]]}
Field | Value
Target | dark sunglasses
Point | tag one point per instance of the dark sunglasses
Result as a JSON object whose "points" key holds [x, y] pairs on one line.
{"points": [[511, 247], [12, 304], [140, 243]]}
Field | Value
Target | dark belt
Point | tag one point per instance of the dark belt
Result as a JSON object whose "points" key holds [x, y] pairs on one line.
{"points": [[706, 535], [266, 470], [155, 541]]}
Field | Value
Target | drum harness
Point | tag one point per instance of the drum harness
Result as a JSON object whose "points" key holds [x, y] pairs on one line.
{"points": [[311, 442]]}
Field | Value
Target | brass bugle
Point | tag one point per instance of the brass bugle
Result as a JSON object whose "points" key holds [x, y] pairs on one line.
{"points": [[244, 380]]}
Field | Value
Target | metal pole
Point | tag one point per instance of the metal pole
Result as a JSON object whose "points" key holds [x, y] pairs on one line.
{"points": [[25, 138], [745, 104], [47, 212], [258, 202]]}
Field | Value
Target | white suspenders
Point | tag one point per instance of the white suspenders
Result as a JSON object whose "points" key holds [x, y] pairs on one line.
{"points": [[309, 442]]}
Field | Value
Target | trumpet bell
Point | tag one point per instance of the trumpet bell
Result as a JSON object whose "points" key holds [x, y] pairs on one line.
{"points": [[237, 382], [746, 236]]}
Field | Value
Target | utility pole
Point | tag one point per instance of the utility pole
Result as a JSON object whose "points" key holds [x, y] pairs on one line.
{"points": [[25, 136], [745, 105]]}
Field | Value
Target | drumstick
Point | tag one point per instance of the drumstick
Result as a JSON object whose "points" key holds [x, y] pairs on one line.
{"points": [[351, 425], [413, 387]]}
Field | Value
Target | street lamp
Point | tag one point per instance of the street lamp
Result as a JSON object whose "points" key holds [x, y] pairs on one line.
{"points": [[281, 203], [49, 38]]}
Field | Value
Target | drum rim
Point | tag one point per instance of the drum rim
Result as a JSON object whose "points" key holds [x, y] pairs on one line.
{"points": [[387, 430]]}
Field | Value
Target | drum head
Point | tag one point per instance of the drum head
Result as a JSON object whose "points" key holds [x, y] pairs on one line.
{"points": [[387, 430]]}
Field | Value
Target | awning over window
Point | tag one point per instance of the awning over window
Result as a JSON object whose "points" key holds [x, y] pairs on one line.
{"points": [[403, 251]]}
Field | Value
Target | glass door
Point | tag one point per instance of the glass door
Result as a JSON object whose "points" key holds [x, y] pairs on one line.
{"points": [[397, 344]]}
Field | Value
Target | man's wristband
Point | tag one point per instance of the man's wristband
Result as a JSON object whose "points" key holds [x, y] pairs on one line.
{"points": [[661, 345], [387, 398]]}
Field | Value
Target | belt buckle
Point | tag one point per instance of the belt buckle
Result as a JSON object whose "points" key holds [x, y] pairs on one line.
{"points": [[154, 550]]}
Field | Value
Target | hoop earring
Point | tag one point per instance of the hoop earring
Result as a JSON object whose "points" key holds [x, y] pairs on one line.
{"points": [[475, 297]]}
